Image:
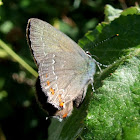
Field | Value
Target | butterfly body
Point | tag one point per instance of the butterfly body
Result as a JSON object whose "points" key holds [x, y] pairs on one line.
{"points": [[65, 70]]}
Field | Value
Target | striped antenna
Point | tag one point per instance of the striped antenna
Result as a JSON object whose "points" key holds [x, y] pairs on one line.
{"points": [[97, 63], [106, 39]]}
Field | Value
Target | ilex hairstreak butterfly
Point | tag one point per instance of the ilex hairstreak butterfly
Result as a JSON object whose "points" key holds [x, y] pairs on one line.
{"points": [[65, 70]]}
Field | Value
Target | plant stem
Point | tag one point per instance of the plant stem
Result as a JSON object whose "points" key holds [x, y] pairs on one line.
{"points": [[18, 59]]}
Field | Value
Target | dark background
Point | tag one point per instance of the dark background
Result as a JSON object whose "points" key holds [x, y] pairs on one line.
{"points": [[20, 115]]}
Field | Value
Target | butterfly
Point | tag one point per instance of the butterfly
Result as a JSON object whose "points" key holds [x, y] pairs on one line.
{"points": [[65, 69]]}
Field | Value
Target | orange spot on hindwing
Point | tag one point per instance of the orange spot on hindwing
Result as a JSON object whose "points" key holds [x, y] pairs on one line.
{"points": [[61, 104], [48, 83], [52, 91], [59, 97], [65, 115]]}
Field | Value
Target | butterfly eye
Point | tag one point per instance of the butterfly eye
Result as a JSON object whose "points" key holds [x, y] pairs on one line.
{"points": [[88, 53]]}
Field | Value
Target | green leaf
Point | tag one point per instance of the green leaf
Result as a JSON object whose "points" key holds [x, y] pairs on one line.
{"points": [[113, 112], [114, 109], [111, 13]]}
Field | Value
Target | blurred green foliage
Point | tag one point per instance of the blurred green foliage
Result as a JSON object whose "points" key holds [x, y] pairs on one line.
{"points": [[20, 115]]}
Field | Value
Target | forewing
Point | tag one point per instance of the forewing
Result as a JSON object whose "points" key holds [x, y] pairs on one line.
{"points": [[45, 39]]}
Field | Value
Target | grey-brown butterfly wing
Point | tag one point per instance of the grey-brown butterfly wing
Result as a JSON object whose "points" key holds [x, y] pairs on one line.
{"points": [[45, 39], [64, 68]]}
